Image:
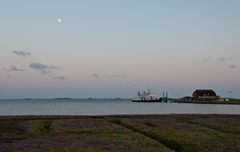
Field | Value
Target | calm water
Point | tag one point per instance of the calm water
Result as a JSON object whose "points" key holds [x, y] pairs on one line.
{"points": [[107, 107]]}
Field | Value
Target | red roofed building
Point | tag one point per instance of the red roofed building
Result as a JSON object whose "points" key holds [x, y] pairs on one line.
{"points": [[205, 95]]}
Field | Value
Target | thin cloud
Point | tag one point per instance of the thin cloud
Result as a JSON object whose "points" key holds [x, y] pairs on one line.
{"points": [[59, 78], [115, 75], [206, 59], [96, 75], [109, 76], [14, 68], [21, 53], [42, 68], [221, 59], [232, 66], [8, 76]]}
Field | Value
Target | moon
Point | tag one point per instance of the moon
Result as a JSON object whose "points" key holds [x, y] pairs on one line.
{"points": [[59, 20]]}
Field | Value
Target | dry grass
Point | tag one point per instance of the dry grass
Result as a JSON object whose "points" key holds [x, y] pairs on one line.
{"points": [[187, 133], [79, 134], [145, 133]]}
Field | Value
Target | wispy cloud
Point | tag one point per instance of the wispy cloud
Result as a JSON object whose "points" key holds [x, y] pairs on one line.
{"points": [[13, 68], [8, 76], [59, 78], [109, 76], [96, 75], [44, 69], [206, 59], [221, 59], [232, 66], [21, 53], [115, 75]]}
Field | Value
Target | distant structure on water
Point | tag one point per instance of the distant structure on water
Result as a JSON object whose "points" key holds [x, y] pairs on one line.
{"points": [[150, 96], [204, 95], [146, 96]]}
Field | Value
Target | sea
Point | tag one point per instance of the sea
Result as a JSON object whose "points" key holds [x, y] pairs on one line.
{"points": [[106, 107]]}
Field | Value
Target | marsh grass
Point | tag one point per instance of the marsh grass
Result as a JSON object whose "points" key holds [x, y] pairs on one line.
{"points": [[234, 100], [145, 133], [181, 134], [9, 132], [76, 134], [42, 127], [220, 123]]}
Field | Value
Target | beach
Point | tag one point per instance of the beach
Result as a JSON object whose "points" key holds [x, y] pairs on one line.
{"points": [[120, 133]]}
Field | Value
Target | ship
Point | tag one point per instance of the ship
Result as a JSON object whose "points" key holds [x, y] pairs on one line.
{"points": [[146, 96]]}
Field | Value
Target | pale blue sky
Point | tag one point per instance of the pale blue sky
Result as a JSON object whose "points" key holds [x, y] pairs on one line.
{"points": [[113, 48]]}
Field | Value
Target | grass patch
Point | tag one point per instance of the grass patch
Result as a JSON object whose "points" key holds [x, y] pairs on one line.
{"points": [[223, 124], [233, 100], [41, 127], [9, 132], [180, 135], [146, 133], [77, 135]]}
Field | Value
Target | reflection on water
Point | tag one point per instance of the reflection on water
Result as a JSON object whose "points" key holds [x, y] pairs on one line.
{"points": [[107, 107]]}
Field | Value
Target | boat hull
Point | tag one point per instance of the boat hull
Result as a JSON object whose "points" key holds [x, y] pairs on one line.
{"points": [[159, 100]]}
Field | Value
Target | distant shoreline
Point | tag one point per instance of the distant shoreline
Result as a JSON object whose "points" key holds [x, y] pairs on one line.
{"points": [[100, 116]]}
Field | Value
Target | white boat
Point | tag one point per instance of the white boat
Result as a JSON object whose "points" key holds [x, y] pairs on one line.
{"points": [[146, 96]]}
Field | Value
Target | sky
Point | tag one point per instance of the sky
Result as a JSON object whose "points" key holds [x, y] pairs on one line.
{"points": [[92, 48]]}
